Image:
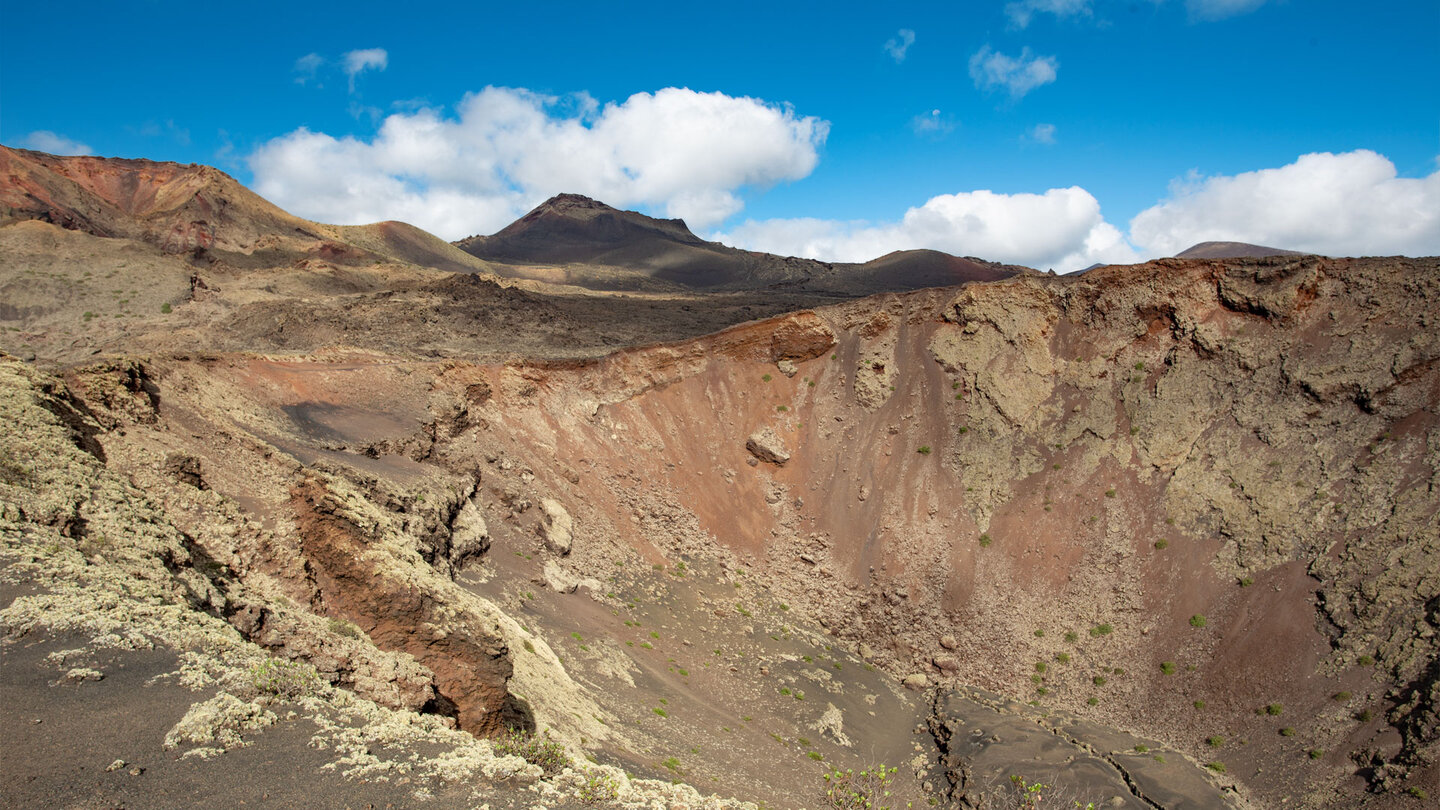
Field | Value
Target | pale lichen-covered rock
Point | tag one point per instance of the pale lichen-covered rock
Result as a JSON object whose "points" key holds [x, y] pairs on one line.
{"points": [[765, 445], [469, 536], [557, 528], [916, 681]]}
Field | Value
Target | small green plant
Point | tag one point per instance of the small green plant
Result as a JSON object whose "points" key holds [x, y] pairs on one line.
{"points": [[782, 408], [1246, 582], [1094, 701], [530, 648], [1101, 630], [1109, 493], [1287, 732], [1031, 794], [599, 787], [1039, 632], [923, 450], [1275, 709], [87, 316], [536, 749], [661, 712], [1217, 767], [1040, 666], [1197, 620], [985, 541], [1365, 661], [869, 789], [1162, 544], [1071, 636], [1062, 657], [672, 764], [340, 627], [1099, 680], [286, 680], [1364, 716], [1199, 704], [1167, 667], [1142, 749], [165, 308], [1315, 753], [1340, 697], [766, 378], [815, 755], [1215, 741], [1417, 792]]}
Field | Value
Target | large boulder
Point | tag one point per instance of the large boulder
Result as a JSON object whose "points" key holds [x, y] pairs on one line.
{"points": [[557, 528], [765, 445]]}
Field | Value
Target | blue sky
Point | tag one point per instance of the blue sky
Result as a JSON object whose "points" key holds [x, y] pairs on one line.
{"points": [[1048, 132]]}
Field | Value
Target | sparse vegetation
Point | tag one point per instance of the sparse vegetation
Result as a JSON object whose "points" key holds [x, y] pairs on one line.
{"points": [[869, 789], [1215, 741], [1161, 544], [537, 749], [340, 627], [923, 450], [1167, 667], [985, 541], [1101, 630], [1287, 732], [1197, 621], [1217, 767], [599, 787], [286, 680], [1274, 709]]}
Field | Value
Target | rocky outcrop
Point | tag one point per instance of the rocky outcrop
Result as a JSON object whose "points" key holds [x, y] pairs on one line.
{"points": [[765, 445], [361, 574], [557, 528]]}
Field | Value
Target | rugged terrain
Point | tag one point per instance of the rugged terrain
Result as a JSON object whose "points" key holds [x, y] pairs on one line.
{"points": [[1155, 536]]}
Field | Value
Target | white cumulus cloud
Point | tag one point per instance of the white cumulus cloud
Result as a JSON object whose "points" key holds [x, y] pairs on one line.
{"points": [[1017, 74], [359, 61], [899, 44], [1349, 204], [1021, 12], [680, 152], [1060, 229], [46, 141]]}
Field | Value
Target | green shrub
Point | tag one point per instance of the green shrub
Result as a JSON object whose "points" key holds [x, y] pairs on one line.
{"points": [[867, 790], [1315, 753], [671, 764], [815, 755], [767, 378], [1161, 544], [1099, 680], [1071, 636], [534, 749], [1217, 767], [1365, 661], [1199, 704], [1197, 620], [660, 712], [1062, 657], [340, 627], [1417, 792], [1040, 666], [1101, 630], [1167, 667], [165, 308], [1109, 493], [1215, 741], [599, 787], [923, 450], [1287, 732], [286, 680], [1092, 701], [985, 541], [1274, 709], [1340, 697]]}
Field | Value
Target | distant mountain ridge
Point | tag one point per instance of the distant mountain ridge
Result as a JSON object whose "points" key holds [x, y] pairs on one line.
{"points": [[190, 208], [1233, 250], [600, 246]]}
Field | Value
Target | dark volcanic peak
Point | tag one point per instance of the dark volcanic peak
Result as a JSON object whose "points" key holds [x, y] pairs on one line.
{"points": [[602, 247], [574, 228], [1232, 250]]}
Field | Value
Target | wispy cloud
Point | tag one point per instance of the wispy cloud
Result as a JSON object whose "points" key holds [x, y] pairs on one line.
{"points": [[1018, 75], [683, 153], [1021, 12], [1208, 10], [46, 141], [359, 61], [933, 123], [898, 45], [307, 68], [1042, 133]]}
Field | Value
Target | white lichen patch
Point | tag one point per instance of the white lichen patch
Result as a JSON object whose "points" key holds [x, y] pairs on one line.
{"points": [[222, 719], [832, 725]]}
